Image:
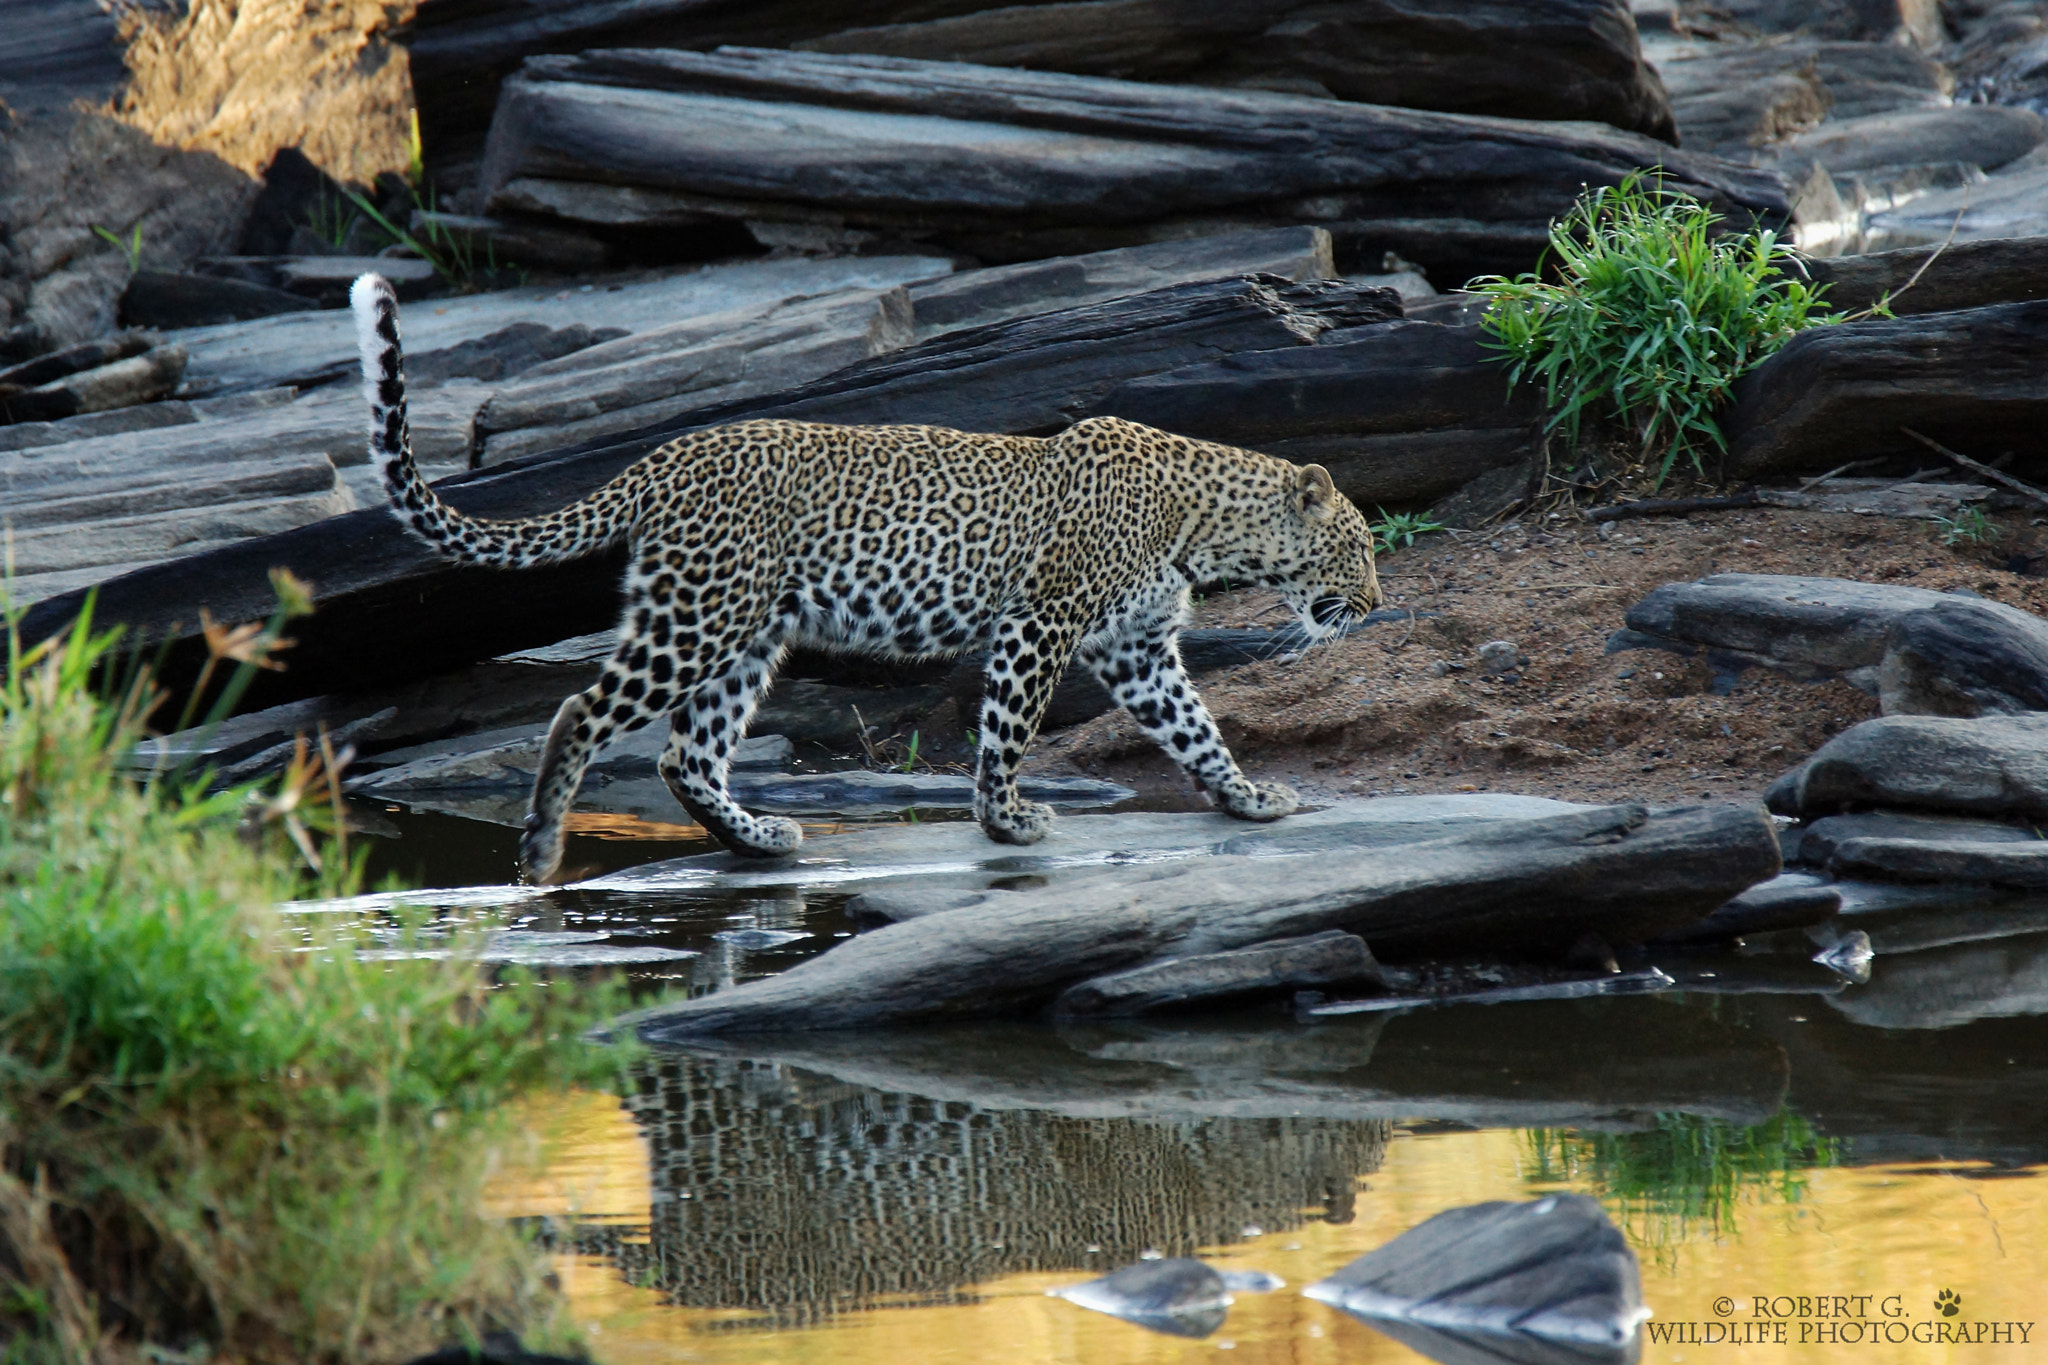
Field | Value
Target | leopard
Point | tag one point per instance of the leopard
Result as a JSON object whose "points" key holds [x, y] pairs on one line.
{"points": [[906, 542]]}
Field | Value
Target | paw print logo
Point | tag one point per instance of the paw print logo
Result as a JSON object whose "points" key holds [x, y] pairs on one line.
{"points": [[1948, 1303]]}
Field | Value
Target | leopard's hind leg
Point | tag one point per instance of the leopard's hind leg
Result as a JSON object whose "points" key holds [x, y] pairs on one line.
{"points": [[702, 734], [659, 667]]}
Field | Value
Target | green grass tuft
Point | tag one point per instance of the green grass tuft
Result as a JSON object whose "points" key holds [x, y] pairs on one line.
{"points": [[221, 1130], [1651, 317], [1397, 530]]}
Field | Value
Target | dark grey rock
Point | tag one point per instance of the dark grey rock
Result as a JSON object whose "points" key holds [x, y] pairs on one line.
{"points": [[326, 279], [1499, 656], [1847, 80], [1965, 274], [1969, 379], [87, 355], [503, 242], [1917, 23], [1809, 627], [158, 298], [1983, 135], [2021, 866], [1333, 958], [136, 379], [975, 298], [1992, 765], [1554, 59], [1083, 164], [506, 352], [1817, 842], [1789, 901], [1962, 657], [1178, 1296], [116, 421], [1555, 1268]]}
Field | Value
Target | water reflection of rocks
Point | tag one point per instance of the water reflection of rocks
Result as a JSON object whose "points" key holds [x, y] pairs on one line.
{"points": [[798, 1196]]}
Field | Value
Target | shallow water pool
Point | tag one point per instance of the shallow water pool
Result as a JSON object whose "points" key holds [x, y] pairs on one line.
{"points": [[1805, 1176]]}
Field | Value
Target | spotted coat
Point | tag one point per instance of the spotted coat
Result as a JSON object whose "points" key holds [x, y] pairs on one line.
{"points": [[908, 542]]}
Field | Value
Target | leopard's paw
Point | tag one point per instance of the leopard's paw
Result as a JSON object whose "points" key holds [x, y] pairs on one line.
{"points": [[1021, 822], [766, 836], [540, 851], [1258, 800]]}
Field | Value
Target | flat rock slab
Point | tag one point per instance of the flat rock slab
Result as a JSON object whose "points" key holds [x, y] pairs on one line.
{"points": [[1818, 841], [1990, 766], [1997, 863], [1969, 379], [1619, 872], [1554, 1269], [1970, 274], [263, 354], [1019, 164], [1552, 59], [961, 856], [1983, 135], [2012, 203]]}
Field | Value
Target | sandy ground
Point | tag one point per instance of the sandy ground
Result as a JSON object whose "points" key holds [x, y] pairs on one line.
{"points": [[1403, 708]]}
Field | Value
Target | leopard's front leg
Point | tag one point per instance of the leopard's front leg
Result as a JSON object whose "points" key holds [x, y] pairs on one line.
{"points": [[1142, 672], [1025, 661]]}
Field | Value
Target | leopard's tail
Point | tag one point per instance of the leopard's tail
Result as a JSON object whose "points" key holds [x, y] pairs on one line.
{"points": [[582, 528]]}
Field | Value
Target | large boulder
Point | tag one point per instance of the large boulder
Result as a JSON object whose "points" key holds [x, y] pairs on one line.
{"points": [[1991, 765]]}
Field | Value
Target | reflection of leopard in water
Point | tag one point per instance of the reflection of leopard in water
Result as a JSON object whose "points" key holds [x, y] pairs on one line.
{"points": [[907, 542]]}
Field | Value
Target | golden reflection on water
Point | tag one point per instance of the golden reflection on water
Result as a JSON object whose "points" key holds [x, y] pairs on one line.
{"points": [[1907, 1231]]}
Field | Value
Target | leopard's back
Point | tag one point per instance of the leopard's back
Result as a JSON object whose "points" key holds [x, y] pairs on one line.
{"points": [[900, 540]]}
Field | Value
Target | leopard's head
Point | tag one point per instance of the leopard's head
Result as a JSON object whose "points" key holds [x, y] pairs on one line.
{"points": [[1323, 564]]}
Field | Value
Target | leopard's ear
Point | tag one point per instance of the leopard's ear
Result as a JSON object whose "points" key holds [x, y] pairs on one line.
{"points": [[1315, 497]]}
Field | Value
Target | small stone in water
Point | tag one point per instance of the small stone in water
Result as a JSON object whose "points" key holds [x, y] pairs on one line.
{"points": [[1181, 1297]]}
